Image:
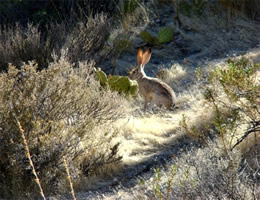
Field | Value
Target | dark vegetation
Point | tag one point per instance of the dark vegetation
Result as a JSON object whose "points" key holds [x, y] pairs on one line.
{"points": [[45, 12], [81, 37], [49, 91]]}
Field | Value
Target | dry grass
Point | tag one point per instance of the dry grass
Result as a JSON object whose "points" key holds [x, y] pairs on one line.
{"points": [[196, 173], [146, 133], [200, 173], [174, 76]]}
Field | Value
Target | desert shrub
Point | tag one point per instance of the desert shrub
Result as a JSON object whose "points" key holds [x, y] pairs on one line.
{"points": [[235, 7], [45, 12], [205, 173], [59, 109], [82, 41], [234, 93], [85, 40], [132, 13], [193, 7], [217, 170], [20, 45]]}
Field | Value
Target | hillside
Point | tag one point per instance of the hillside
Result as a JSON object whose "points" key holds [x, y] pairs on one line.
{"points": [[54, 110]]}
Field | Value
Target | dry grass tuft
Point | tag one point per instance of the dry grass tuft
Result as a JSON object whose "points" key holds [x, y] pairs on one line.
{"points": [[174, 73]]}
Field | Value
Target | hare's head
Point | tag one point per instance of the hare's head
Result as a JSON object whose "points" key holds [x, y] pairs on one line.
{"points": [[134, 74], [142, 60]]}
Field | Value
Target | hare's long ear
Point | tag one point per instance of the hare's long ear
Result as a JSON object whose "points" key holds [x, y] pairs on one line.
{"points": [[146, 57], [139, 57]]}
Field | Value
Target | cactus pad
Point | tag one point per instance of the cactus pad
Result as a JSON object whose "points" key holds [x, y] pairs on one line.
{"points": [[133, 90], [121, 84], [102, 77], [165, 35]]}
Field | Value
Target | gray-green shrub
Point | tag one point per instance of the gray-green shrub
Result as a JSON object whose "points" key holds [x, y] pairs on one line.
{"points": [[86, 39], [234, 94], [59, 110], [82, 40]]}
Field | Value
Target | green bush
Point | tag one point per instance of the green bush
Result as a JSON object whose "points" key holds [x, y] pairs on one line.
{"points": [[122, 43], [165, 35], [59, 110], [234, 93]]}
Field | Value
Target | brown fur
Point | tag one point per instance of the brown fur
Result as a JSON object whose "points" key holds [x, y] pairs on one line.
{"points": [[152, 89]]}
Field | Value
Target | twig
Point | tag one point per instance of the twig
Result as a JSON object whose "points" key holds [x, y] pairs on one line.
{"points": [[69, 177], [28, 155]]}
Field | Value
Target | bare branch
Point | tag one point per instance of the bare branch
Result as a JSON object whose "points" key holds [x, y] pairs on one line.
{"points": [[255, 128]]}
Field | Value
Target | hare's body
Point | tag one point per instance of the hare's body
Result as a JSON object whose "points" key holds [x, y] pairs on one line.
{"points": [[152, 89], [155, 91]]}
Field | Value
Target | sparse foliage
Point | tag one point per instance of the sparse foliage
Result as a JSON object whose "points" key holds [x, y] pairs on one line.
{"points": [[234, 93]]}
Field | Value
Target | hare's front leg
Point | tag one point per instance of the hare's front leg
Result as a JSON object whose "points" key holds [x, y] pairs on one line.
{"points": [[147, 100]]}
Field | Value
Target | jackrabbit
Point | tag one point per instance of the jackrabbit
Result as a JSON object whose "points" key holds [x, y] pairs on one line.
{"points": [[152, 89]]}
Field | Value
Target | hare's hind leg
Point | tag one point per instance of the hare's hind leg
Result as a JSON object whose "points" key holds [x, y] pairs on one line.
{"points": [[145, 105]]}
